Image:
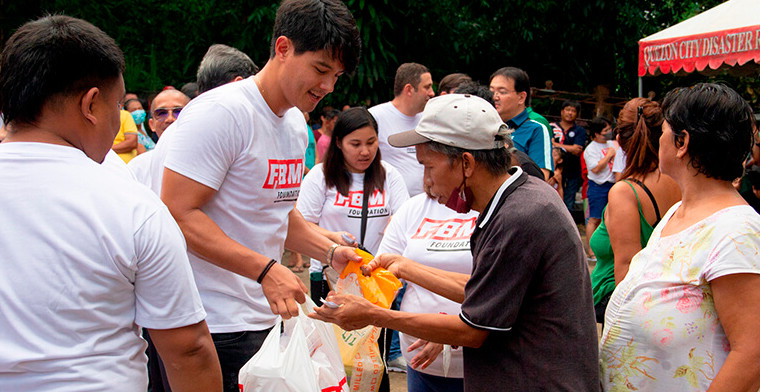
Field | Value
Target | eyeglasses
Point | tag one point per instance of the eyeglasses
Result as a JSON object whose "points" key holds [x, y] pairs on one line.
{"points": [[502, 92], [161, 114]]}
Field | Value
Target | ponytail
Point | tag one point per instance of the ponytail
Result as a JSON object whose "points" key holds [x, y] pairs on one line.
{"points": [[639, 129]]}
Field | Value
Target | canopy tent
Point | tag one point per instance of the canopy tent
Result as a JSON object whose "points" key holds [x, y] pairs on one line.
{"points": [[727, 35]]}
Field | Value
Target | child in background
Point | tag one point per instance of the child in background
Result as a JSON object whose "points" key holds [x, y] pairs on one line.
{"points": [[555, 180]]}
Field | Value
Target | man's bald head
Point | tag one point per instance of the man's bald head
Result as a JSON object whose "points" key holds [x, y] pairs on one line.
{"points": [[167, 93], [165, 108]]}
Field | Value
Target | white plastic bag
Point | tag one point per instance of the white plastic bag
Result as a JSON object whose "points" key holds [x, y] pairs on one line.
{"points": [[304, 358]]}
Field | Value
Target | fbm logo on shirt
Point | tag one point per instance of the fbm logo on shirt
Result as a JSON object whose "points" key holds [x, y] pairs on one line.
{"points": [[446, 235], [449, 229], [284, 173], [354, 199]]}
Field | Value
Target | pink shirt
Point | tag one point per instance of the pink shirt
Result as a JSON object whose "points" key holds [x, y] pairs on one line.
{"points": [[322, 145]]}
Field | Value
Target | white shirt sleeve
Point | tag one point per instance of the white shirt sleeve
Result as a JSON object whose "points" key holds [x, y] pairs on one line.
{"points": [[618, 163], [735, 246], [396, 188], [592, 156], [311, 198], [165, 291], [395, 238], [205, 144]]}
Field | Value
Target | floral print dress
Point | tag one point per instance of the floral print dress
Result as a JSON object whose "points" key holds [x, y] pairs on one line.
{"points": [[662, 332]]}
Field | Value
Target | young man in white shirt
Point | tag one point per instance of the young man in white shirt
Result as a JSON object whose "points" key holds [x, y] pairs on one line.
{"points": [[232, 169], [88, 256]]}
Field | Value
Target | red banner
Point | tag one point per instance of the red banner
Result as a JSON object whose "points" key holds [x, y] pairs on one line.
{"points": [[732, 47]]}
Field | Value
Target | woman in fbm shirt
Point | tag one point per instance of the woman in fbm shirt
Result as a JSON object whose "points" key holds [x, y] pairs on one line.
{"points": [[434, 235], [331, 195]]}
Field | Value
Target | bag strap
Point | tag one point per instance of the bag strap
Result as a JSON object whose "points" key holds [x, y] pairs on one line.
{"points": [[365, 212], [651, 198]]}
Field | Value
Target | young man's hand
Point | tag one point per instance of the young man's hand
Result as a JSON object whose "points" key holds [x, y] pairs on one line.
{"points": [[284, 291]]}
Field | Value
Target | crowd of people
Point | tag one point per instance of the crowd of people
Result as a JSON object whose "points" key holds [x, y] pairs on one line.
{"points": [[142, 238]]}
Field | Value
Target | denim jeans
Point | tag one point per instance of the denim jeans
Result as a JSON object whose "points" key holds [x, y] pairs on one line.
{"points": [[570, 188], [394, 351], [422, 382], [234, 350]]}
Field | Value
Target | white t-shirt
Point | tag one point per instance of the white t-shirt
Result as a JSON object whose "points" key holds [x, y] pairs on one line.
{"points": [[431, 234], [140, 167], [87, 257], [391, 121], [230, 140], [618, 163], [114, 163], [662, 331], [594, 153], [333, 211]]}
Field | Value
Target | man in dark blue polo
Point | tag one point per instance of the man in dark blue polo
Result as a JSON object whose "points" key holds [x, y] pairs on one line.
{"points": [[573, 140], [511, 89]]}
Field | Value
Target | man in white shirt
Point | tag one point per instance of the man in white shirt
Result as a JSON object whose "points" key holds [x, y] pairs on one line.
{"points": [[232, 169], [412, 88], [88, 257]]}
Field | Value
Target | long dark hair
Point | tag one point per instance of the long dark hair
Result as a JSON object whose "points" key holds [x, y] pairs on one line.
{"points": [[334, 167]]}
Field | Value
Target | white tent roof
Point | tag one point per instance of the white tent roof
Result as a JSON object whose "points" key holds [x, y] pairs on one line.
{"points": [[727, 35], [730, 15]]}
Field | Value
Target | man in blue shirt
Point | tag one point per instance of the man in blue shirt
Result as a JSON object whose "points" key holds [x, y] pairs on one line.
{"points": [[511, 91]]}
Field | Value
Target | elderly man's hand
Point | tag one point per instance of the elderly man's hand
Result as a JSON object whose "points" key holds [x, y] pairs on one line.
{"points": [[353, 312], [392, 262]]}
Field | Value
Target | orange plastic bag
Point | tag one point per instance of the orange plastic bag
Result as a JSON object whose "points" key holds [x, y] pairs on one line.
{"points": [[380, 287], [361, 356]]}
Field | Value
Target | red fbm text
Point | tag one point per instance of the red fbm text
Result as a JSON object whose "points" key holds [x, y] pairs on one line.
{"points": [[284, 173], [445, 230], [354, 199]]}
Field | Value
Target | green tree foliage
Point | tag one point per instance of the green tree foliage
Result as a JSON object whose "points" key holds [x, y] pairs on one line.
{"points": [[579, 44]]}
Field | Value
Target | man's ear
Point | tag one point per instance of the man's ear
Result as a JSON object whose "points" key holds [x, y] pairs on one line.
{"points": [[86, 105], [282, 47], [523, 97], [408, 89], [237, 78], [468, 164]]}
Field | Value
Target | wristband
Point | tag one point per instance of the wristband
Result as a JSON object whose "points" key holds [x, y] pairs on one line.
{"points": [[330, 253], [266, 269]]}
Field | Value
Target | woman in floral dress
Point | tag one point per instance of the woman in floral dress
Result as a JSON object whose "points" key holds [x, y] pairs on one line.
{"points": [[687, 315]]}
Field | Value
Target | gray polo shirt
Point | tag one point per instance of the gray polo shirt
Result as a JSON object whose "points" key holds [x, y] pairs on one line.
{"points": [[530, 289]]}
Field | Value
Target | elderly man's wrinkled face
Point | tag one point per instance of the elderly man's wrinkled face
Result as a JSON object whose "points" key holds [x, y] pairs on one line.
{"points": [[440, 177]]}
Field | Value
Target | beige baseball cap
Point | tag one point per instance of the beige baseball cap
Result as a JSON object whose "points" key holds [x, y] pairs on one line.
{"points": [[458, 120]]}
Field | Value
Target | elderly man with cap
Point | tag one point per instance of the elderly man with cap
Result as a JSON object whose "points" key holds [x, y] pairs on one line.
{"points": [[527, 319]]}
